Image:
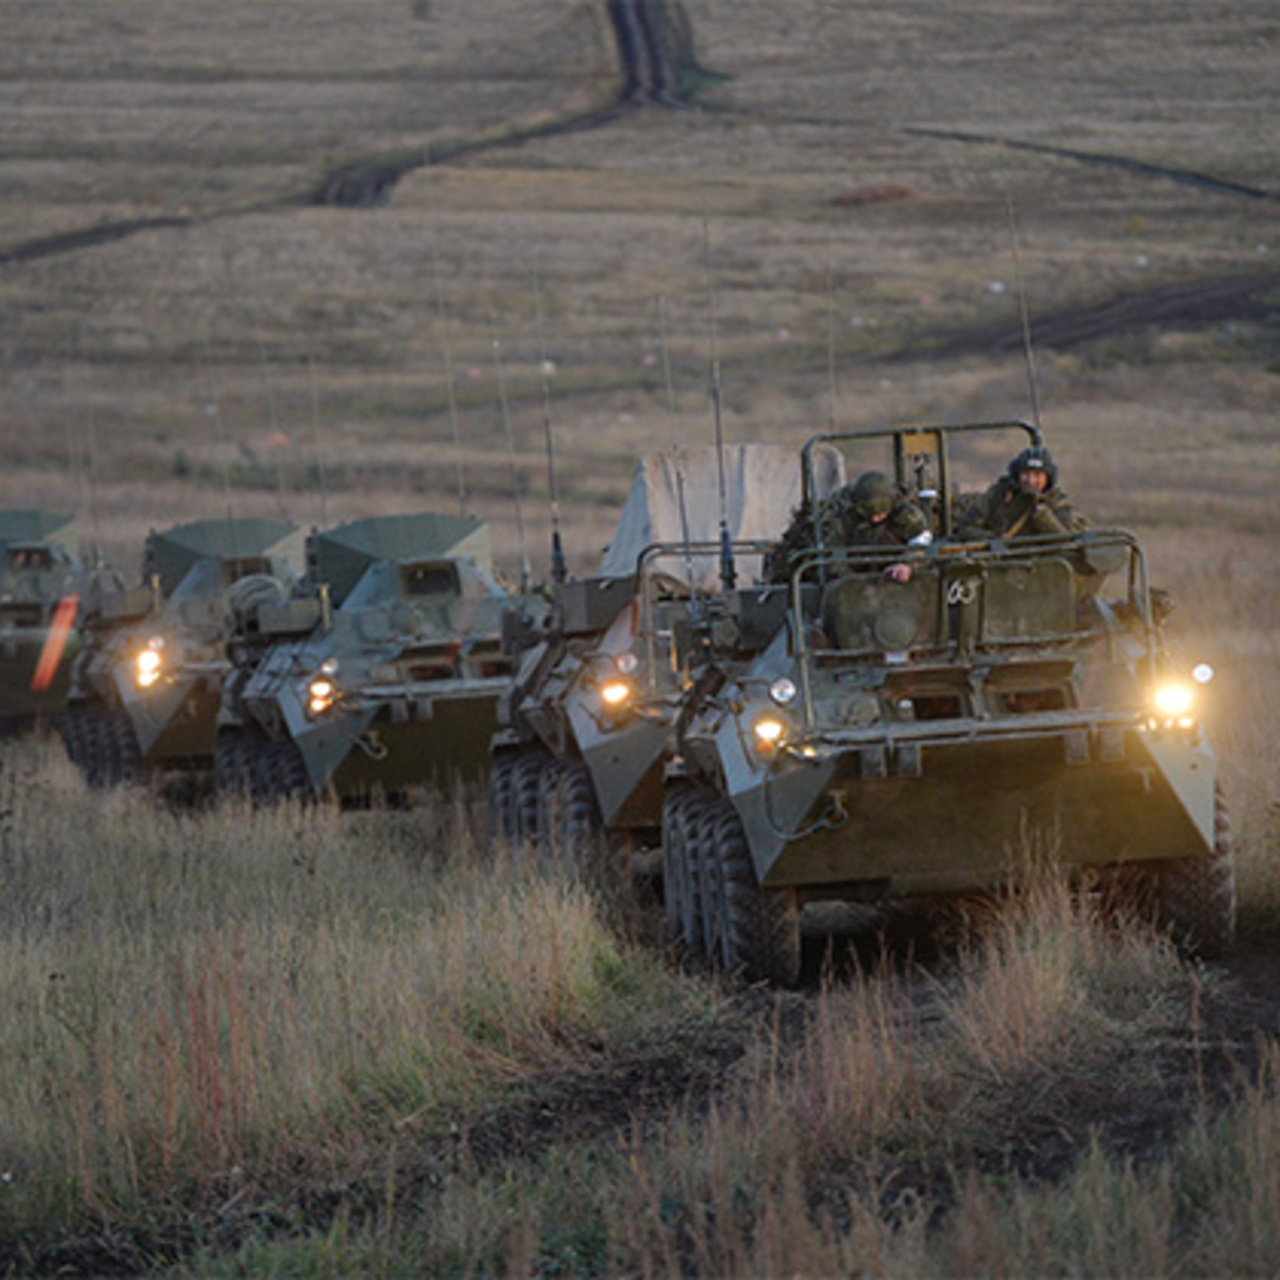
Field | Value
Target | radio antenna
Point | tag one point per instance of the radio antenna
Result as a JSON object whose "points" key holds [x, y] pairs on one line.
{"points": [[1028, 351], [728, 573], [526, 573], [215, 408], [449, 383], [277, 438], [675, 443], [558, 571], [831, 347], [315, 442]]}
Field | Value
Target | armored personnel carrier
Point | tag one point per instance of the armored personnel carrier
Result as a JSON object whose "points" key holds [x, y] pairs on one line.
{"points": [[585, 729], [41, 584], [145, 688], [381, 674], [896, 738]]}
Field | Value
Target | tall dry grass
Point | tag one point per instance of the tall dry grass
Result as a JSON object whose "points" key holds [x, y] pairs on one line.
{"points": [[201, 1005], [979, 1123]]}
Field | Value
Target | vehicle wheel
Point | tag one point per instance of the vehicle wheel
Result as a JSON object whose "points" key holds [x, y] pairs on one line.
{"points": [[1196, 897], [128, 754], [579, 833], [679, 882], [289, 773], [550, 840], [500, 805], [74, 730], [525, 783], [230, 761], [752, 931]]}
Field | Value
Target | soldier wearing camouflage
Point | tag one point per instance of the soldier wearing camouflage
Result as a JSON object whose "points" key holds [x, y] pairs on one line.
{"points": [[868, 513], [1027, 501]]}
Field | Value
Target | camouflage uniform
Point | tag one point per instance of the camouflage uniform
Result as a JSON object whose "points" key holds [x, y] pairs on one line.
{"points": [[1009, 511], [846, 520]]}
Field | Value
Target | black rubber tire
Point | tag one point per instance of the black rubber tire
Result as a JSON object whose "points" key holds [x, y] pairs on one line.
{"points": [[230, 761], [289, 777], [526, 780], [748, 930], [501, 809], [680, 903], [579, 833], [1195, 898], [550, 850], [127, 754]]}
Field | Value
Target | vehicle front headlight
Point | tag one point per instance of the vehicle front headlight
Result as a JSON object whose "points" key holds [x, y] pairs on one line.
{"points": [[322, 693], [1173, 705], [770, 732], [147, 666], [615, 694]]}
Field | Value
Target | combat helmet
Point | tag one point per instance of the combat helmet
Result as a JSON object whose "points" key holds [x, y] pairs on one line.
{"points": [[872, 495], [1035, 458]]}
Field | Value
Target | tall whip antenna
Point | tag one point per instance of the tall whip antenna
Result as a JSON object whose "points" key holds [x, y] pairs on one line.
{"points": [[277, 439], [831, 347], [728, 574], [675, 443], [449, 382], [526, 573], [315, 442], [558, 571], [1028, 351], [215, 407]]}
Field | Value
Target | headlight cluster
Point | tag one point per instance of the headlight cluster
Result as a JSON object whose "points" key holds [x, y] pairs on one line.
{"points": [[1173, 702], [149, 663], [617, 689], [322, 692]]}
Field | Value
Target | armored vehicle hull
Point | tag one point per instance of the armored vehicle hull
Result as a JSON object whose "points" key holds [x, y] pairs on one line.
{"points": [[41, 584], [935, 735], [146, 688], [382, 676]]}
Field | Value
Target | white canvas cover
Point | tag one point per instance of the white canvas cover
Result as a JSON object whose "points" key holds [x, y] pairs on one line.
{"points": [[762, 488]]}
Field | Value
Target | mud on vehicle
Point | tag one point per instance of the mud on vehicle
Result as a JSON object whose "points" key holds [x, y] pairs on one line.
{"points": [[585, 728], [381, 673], [897, 740], [145, 687], [42, 583]]}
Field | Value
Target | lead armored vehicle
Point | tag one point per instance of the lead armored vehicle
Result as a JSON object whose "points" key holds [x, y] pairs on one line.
{"points": [[898, 739], [585, 728], [145, 687], [380, 675], [41, 584]]}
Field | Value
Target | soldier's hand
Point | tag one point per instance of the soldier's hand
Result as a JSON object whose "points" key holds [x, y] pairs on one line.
{"points": [[898, 573]]}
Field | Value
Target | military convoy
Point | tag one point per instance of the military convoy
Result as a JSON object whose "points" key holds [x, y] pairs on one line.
{"points": [[380, 674], [145, 687], [41, 585], [762, 725]]}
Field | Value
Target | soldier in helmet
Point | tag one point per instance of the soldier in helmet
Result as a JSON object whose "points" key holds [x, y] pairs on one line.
{"points": [[1026, 500], [867, 513]]}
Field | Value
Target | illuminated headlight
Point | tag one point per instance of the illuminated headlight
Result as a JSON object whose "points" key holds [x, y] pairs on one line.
{"points": [[147, 667], [769, 731], [321, 695], [1174, 699], [615, 694], [783, 691]]}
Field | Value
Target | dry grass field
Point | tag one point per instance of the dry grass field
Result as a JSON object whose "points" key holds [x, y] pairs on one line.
{"points": [[184, 330]]}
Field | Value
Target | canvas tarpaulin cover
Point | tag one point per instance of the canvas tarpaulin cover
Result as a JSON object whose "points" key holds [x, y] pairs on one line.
{"points": [[762, 488]]}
